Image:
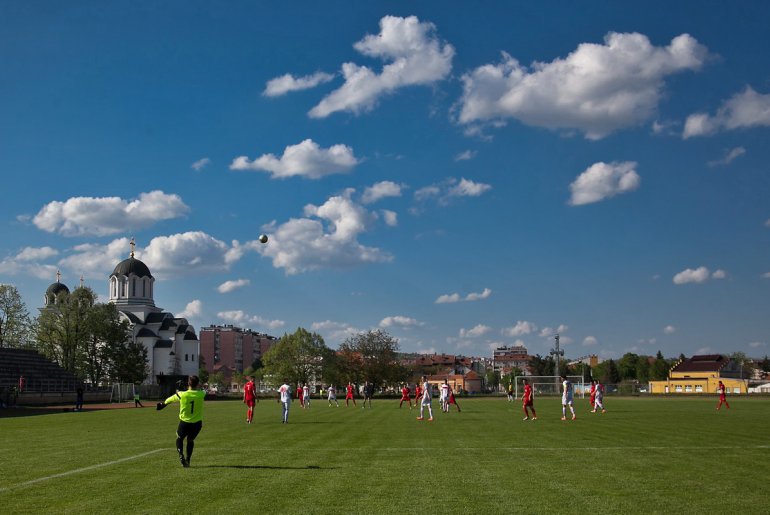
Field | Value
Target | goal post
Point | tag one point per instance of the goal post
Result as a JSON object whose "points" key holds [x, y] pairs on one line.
{"points": [[122, 392], [549, 385]]}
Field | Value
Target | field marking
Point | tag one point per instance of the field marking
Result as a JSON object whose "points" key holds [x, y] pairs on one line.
{"points": [[77, 471], [476, 449]]}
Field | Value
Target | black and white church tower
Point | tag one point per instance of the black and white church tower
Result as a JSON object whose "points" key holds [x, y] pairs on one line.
{"points": [[173, 349]]}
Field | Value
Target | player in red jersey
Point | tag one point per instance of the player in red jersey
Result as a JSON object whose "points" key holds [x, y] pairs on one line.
{"points": [[349, 389], [722, 391], [417, 394], [300, 395], [592, 398], [249, 398], [405, 397], [527, 401], [452, 400]]}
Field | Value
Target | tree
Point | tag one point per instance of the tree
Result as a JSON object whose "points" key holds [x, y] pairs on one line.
{"points": [[493, 379], [627, 366], [765, 364], [542, 366], [106, 331], [297, 357], [376, 352], [613, 374], [14, 318], [203, 373], [660, 368], [127, 362], [643, 369], [62, 330]]}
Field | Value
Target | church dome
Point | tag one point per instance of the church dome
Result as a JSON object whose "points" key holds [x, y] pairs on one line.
{"points": [[132, 266], [55, 289]]}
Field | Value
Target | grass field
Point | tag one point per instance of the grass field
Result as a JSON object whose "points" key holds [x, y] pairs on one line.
{"points": [[645, 455]]}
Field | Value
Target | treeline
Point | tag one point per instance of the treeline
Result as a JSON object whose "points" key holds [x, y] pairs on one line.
{"points": [[84, 337]]}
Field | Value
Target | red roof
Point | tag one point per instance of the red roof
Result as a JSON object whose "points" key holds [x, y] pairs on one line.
{"points": [[702, 363]]}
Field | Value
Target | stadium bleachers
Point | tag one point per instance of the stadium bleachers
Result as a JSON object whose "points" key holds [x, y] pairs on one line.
{"points": [[41, 374]]}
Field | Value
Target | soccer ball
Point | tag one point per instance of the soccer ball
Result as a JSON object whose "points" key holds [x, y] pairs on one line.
{"points": [[263, 238]]}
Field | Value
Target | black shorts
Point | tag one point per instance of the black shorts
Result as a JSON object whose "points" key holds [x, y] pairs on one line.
{"points": [[189, 429]]}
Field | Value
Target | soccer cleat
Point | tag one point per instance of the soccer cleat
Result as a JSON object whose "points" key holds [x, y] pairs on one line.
{"points": [[564, 418], [525, 418], [593, 411], [534, 418], [183, 461], [430, 419], [574, 417], [420, 418]]}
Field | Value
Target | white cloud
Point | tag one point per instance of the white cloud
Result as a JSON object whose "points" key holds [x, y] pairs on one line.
{"points": [[335, 331], [26, 262], [603, 180], [705, 350], [96, 261], [468, 188], [597, 89], [228, 286], [200, 164], [390, 217], [193, 309], [669, 329], [451, 188], [305, 159], [36, 253], [590, 341], [466, 155], [756, 345], [549, 332], [475, 332], [521, 328], [414, 54], [80, 216], [381, 190], [729, 157], [743, 110], [766, 275], [400, 321], [698, 275], [471, 297], [330, 241], [239, 317], [287, 83]]}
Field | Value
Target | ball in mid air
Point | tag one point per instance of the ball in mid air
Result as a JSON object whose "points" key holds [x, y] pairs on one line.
{"points": [[263, 238]]}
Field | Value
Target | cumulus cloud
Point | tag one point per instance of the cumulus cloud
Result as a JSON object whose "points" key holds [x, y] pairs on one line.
{"points": [[326, 238], [27, 262], [743, 110], [89, 216], [305, 159], [451, 188], [669, 329], [400, 321], [698, 275], [466, 155], [597, 89], [390, 217], [729, 157], [381, 190], [200, 164], [548, 332], [455, 297], [521, 328], [475, 332], [590, 341], [415, 56], [287, 83], [335, 331], [240, 317], [36, 253], [194, 309], [603, 180], [228, 286]]}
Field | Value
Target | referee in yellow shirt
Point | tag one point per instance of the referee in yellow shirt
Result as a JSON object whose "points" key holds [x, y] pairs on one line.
{"points": [[190, 417]]}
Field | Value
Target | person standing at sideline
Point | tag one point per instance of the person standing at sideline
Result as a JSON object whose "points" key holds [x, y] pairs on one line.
{"points": [[527, 401], [427, 398], [249, 398], [79, 399], [285, 399], [567, 398], [333, 396], [722, 391], [137, 398], [190, 417]]}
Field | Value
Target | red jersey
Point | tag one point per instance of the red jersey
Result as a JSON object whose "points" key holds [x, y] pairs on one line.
{"points": [[417, 392], [350, 391], [527, 393], [405, 393], [299, 393], [249, 391]]}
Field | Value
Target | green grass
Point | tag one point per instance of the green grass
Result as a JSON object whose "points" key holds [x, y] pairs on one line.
{"points": [[646, 455]]}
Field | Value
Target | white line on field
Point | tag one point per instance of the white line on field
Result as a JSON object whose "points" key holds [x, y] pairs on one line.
{"points": [[77, 471], [477, 449]]}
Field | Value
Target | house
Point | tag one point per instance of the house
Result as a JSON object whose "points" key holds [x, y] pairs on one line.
{"points": [[701, 374]]}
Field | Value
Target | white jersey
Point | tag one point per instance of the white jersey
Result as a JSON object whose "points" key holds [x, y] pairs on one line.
{"points": [[305, 392], [444, 391], [599, 392], [285, 391], [332, 393], [427, 395], [566, 395]]}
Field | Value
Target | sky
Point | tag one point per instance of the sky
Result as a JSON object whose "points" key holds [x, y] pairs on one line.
{"points": [[461, 175]]}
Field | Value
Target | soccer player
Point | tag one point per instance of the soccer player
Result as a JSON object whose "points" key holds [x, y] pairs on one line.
{"points": [[598, 398], [137, 400], [405, 397], [285, 400], [349, 394], [417, 394], [190, 417], [510, 392], [527, 401], [368, 393], [333, 396], [567, 398], [722, 391], [452, 400], [306, 395], [249, 398], [427, 398], [300, 395], [592, 398], [444, 397]]}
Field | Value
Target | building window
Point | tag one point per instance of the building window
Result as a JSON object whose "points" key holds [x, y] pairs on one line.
{"points": [[688, 389], [678, 388], [185, 357], [737, 389], [698, 389]]}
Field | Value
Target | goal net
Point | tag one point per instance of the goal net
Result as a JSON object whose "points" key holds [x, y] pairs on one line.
{"points": [[549, 385], [122, 392]]}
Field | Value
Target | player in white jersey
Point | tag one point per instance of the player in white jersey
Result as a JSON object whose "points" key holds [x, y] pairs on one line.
{"points": [[306, 395], [333, 396], [599, 398], [427, 398], [285, 400], [567, 398], [444, 398]]}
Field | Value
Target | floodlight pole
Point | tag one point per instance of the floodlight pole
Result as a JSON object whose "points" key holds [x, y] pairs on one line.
{"points": [[556, 352]]}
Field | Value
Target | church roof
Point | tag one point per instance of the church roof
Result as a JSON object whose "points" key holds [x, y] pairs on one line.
{"points": [[57, 288], [190, 335], [164, 344], [156, 318], [132, 266], [144, 332], [167, 324]]}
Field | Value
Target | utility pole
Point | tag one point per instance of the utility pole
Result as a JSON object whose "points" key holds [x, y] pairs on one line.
{"points": [[556, 352]]}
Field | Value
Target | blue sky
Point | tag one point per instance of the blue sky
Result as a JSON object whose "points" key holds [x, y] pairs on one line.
{"points": [[461, 177]]}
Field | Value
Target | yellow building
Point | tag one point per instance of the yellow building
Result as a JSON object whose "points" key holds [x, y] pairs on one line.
{"points": [[701, 374]]}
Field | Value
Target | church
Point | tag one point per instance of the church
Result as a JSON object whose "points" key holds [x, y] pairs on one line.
{"points": [[172, 346]]}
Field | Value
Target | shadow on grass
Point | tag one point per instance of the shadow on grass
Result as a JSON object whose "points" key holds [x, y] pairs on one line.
{"points": [[309, 467]]}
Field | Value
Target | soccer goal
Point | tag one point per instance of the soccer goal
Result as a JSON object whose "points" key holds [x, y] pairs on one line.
{"points": [[122, 392], [549, 385]]}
